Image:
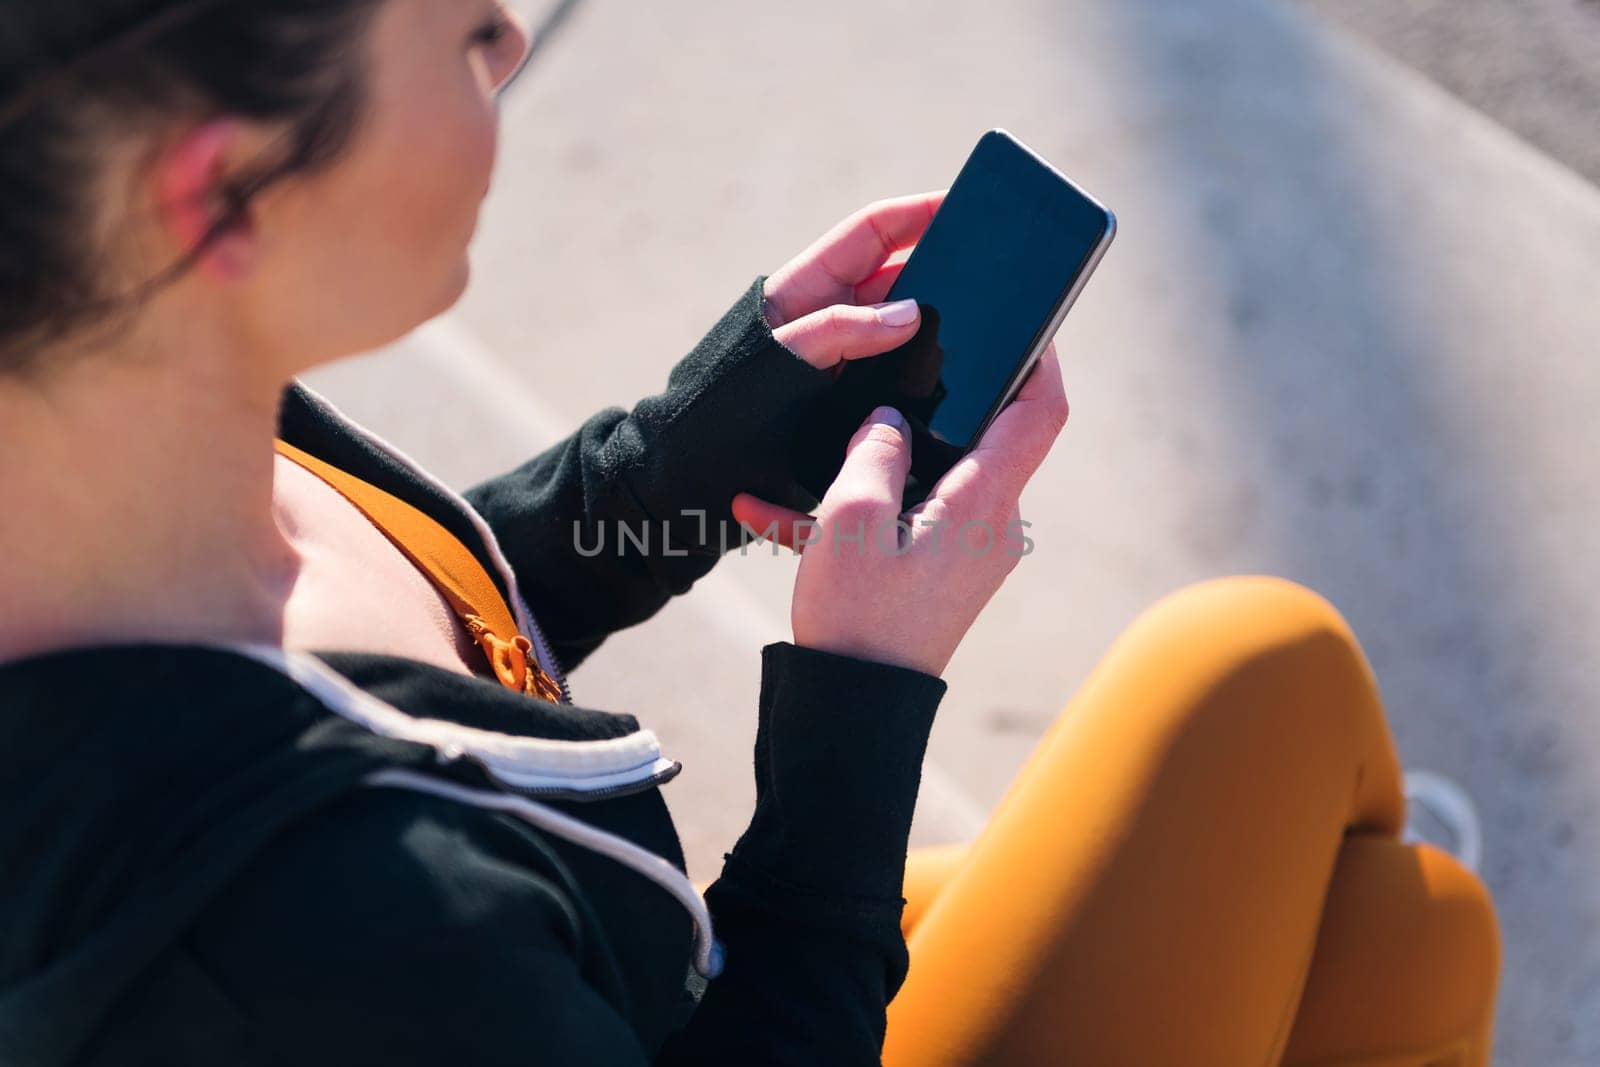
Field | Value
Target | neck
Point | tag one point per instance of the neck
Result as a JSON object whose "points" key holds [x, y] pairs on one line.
{"points": [[139, 496]]}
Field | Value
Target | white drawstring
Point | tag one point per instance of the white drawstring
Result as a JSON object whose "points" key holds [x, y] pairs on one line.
{"points": [[708, 953], [519, 761], [581, 766]]}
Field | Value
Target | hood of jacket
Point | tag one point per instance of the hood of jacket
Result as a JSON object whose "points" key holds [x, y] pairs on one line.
{"points": [[138, 779]]}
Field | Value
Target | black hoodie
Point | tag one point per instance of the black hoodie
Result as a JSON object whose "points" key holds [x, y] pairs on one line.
{"points": [[219, 853]]}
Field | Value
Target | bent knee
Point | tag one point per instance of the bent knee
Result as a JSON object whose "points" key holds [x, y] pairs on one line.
{"points": [[1408, 956], [1262, 608], [1458, 939], [1267, 650]]}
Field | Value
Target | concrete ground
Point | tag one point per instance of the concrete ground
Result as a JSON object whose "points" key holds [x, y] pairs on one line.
{"points": [[1345, 336], [1533, 65]]}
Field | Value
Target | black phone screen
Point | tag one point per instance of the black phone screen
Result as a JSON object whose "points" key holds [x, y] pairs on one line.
{"points": [[1006, 247]]}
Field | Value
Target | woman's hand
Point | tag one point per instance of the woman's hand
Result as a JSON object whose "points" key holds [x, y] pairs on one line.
{"points": [[826, 304], [908, 595]]}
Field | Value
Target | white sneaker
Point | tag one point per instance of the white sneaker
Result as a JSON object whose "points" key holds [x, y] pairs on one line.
{"points": [[1439, 812]]}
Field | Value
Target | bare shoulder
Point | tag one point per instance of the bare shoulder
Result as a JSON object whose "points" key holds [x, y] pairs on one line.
{"points": [[356, 589]]}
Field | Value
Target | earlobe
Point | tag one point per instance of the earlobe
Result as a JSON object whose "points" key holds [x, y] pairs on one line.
{"points": [[195, 191]]}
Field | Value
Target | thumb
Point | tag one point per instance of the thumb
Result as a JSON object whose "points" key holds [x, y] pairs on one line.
{"points": [[876, 463]]}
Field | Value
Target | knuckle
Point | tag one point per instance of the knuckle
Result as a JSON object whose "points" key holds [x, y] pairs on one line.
{"points": [[1058, 409], [1035, 448], [965, 509], [836, 318], [860, 509], [927, 514], [878, 432], [994, 503], [997, 515], [1012, 467], [883, 434]]}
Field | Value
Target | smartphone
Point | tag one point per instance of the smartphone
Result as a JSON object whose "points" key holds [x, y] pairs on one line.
{"points": [[994, 273]]}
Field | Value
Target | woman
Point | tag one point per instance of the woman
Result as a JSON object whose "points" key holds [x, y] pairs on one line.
{"points": [[292, 775]]}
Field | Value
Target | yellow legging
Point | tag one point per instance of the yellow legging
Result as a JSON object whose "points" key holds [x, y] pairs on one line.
{"points": [[1199, 865]]}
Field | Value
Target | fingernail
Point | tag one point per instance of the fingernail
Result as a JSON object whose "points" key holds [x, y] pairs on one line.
{"points": [[889, 415], [898, 313]]}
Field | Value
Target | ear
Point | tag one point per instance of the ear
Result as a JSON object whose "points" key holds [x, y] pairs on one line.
{"points": [[192, 182]]}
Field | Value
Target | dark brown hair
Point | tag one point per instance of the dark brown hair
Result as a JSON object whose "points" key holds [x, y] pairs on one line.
{"points": [[76, 75]]}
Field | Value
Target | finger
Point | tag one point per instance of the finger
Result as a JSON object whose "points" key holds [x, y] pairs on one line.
{"points": [[839, 332], [858, 245], [829, 270], [1015, 444], [876, 287], [1044, 380], [870, 486], [765, 519], [1028, 425]]}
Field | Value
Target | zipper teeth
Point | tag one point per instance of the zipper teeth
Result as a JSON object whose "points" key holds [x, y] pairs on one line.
{"points": [[464, 507], [549, 657]]}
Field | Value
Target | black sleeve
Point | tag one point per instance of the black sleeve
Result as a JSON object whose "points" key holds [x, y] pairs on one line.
{"points": [[809, 901], [725, 423]]}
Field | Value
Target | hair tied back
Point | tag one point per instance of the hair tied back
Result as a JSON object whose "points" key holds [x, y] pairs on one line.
{"points": [[144, 30]]}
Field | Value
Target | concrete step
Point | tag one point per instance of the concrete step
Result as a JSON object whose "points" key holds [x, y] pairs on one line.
{"points": [[1346, 335]]}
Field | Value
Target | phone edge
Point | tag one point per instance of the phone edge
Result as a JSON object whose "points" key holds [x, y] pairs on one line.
{"points": [[1042, 341]]}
